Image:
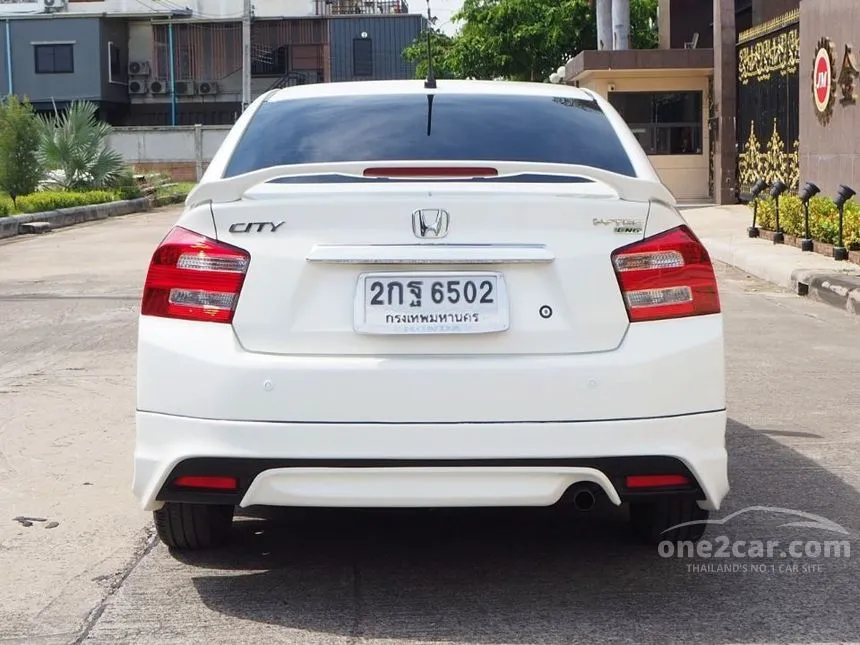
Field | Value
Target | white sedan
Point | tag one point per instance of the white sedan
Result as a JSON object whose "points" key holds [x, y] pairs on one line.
{"points": [[475, 295]]}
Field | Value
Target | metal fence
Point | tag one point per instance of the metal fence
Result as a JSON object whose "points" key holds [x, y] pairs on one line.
{"points": [[768, 121]]}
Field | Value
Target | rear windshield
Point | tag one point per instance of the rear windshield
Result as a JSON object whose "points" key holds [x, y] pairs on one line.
{"points": [[461, 127]]}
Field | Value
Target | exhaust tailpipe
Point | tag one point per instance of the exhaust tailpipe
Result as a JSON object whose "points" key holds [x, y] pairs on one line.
{"points": [[583, 498]]}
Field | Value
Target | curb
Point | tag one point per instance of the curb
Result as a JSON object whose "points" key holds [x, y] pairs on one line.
{"points": [[14, 225], [841, 290]]}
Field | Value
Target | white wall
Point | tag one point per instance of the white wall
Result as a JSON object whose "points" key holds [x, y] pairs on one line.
{"points": [[167, 145], [22, 7], [212, 9]]}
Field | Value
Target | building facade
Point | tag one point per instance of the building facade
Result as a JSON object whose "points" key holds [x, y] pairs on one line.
{"points": [[665, 95], [798, 80], [759, 89], [717, 104], [151, 63], [830, 93]]}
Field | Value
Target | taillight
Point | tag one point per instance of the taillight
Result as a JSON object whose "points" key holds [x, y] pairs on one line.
{"points": [[656, 481], [208, 482], [194, 278], [669, 275]]}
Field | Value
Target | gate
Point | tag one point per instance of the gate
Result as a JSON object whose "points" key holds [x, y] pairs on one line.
{"points": [[768, 120]]}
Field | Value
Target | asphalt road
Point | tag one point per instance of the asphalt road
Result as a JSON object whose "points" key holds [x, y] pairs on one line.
{"points": [[68, 305]]}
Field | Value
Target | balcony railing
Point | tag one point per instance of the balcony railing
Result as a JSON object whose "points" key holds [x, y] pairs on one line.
{"points": [[360, 7]]}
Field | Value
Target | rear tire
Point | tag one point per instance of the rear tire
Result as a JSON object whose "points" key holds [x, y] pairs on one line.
{"points": [[191, 527], [650, 520]]}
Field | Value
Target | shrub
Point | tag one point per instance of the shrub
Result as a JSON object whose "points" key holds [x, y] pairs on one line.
{"points": [[6, 206], [126, 185], [823, 219], [75, 145], [20, 137], [49, 201], [851, 225]]}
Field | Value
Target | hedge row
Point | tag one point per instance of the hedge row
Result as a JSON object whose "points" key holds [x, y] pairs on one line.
{"points": [[50, 201], [823, 219]]}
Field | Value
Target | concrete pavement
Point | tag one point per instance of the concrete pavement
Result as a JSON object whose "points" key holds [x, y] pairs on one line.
{"points": [[68, 316], [723, 229]]}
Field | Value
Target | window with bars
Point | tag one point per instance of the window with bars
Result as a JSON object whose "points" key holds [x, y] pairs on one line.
{"points": [[209, 51]]}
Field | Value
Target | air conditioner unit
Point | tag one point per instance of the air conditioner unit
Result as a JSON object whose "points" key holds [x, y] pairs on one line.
{"points": [[184, 88], [54, 5], [207, 87], [159, 86], [138, 86], [139, 68]]}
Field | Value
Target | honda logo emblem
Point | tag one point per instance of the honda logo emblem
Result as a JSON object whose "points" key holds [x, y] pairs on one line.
{"points": [[430, 222]]}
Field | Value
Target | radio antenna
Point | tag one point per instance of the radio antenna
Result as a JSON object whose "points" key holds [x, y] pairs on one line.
{"points": [[430, 83]]}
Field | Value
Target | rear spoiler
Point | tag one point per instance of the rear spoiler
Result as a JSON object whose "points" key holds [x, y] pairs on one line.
{"points": [[231, 189]]}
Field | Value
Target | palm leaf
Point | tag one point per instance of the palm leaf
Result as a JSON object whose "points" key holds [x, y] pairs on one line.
{"points": [[75, 143]]}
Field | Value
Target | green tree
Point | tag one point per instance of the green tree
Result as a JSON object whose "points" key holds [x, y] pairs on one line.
{"points": [[643, 24], [75, 143], [526, 40], [20, 169], [417, 53]]}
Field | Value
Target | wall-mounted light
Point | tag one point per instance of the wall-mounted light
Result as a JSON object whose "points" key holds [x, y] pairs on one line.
{"points": [[806, 193], [776, 190], [843, 194], [757, 188]]}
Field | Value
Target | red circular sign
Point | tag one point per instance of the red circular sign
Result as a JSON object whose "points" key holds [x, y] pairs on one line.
{"points": [[822, 79]]}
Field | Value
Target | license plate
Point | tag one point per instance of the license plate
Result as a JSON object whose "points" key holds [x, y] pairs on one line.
{"points": [[431, 303]]}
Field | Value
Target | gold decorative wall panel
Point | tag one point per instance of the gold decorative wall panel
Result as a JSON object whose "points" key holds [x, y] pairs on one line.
{"points": [[764, 58], [769, 162], [768, 103]]}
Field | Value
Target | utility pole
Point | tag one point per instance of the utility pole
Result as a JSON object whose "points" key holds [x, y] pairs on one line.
{"points": [[604, 24], [725, 97], [620, 24], [172, 73], [246, 55]]}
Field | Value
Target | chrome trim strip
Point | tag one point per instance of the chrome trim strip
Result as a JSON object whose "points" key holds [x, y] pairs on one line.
{"points": [[430, 254]]}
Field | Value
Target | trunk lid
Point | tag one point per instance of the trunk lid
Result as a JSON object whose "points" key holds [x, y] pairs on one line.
{"points": [[370, 269]]}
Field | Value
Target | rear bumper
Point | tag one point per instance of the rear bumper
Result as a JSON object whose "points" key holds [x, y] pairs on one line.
{"points": [[425, 465], [662, 368]]}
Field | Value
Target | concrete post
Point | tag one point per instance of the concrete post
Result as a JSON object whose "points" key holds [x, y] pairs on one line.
{"points": [[604, 24], [664, 24], [725, 95], [246, 54], [198, 150], [621, 24]]}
